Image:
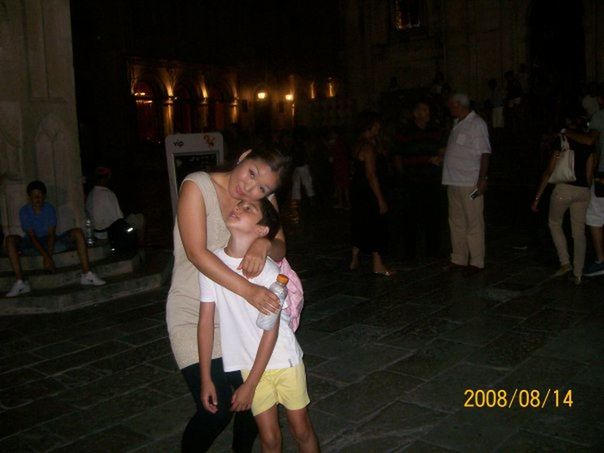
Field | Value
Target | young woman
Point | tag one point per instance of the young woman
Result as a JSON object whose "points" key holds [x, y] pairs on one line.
{"points": [[368, 201], [204, 203], [573, 196]]}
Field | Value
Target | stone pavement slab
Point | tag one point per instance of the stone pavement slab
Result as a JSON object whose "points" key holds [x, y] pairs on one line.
{"points": [[445, 392], [580, 424], [116, 438], [397, 425], [481, 330], [532, 442], [417, 334], [358, 362], [357, 401], [509, 349], [475, 429], [431, 360]]}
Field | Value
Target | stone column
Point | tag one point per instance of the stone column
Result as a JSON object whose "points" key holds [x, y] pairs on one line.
{"points": [[38, 124]]}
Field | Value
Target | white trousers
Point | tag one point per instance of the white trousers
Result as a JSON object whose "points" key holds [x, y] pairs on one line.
{"points": [[301, 177], [466, 221]]}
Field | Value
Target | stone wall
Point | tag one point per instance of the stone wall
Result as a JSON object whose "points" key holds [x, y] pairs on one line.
{"points": [[470, 41], [38, 126]]}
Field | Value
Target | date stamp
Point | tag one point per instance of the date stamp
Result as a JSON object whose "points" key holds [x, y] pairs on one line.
{"points": [[518, 398]]}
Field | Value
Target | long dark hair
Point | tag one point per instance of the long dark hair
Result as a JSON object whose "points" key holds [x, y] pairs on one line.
{"points": [[272, 156]]}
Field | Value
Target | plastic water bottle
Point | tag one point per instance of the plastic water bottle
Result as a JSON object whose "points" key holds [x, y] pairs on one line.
{"points": [[88, 232], [279, 289]]}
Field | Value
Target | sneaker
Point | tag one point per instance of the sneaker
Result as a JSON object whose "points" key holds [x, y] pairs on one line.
{"points": [[564, 269], [576, 279], [594, 269], [91, 279], [18, 288]]}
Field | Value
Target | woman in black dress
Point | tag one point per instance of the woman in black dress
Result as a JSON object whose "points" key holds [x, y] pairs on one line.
{"points": [[369, 207]]}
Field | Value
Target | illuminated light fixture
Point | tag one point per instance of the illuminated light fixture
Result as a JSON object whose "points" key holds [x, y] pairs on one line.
{"points": [[261, 95], [130, 230], [289, 97], [331, 89], [313, 92], [140, 93]]}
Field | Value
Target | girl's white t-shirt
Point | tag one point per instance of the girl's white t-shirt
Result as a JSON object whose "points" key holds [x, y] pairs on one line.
{"points": [[239, 334]]}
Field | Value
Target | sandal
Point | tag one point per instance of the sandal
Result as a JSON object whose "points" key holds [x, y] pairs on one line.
{"points": [[386, 273]]}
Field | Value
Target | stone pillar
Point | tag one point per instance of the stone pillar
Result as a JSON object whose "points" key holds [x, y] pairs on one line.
{"points": [[168, 116], [38, 124]]}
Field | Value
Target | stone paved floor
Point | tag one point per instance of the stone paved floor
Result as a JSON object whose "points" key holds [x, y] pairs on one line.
{"points": [[388, 360]]}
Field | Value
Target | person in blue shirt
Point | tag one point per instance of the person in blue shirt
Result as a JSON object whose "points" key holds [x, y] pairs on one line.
{"points": [[39, 223]]}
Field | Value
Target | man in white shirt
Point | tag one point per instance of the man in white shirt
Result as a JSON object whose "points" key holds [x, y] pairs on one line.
{"points": [[465, 169], [103, 207], [101, 204]]}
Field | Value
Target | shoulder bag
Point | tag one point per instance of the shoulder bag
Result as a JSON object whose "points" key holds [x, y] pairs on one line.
{"points": [[565, 165]]}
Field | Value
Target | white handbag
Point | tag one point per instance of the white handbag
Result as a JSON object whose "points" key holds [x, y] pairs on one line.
{"points": [[565, 165]]}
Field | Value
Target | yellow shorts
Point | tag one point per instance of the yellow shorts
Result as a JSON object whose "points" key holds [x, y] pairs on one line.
{"points": [[285, 386]]}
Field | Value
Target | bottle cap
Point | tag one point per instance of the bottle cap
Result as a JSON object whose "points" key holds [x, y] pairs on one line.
{"points": [[282, 279]]}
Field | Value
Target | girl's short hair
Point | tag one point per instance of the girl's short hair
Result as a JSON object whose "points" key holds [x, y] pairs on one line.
{"points": [[270, 218], [272, 156]]}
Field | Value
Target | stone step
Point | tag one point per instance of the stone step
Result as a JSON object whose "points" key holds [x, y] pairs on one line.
{"points": [[109, 267], [64, 259], [154, 275]]}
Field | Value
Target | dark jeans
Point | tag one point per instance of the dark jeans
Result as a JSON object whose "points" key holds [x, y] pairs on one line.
{"points": [[204, 427]]}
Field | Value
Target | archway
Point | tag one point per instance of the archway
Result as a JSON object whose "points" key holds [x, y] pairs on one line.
{"points": [[218, 103], [184, 112], [148, 124]]}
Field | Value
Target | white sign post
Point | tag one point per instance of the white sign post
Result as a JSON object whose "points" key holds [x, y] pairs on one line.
{"points": [[187, 153]]}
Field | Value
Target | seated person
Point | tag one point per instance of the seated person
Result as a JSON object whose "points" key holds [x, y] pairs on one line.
{"points": [[103, 207], [270, 361], [39, 223]]}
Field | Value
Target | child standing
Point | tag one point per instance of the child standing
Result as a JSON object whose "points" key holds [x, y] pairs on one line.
{"points": [[270, 361]]}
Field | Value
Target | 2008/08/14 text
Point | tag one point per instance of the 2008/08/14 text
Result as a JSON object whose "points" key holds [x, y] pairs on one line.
{"points": [[522, 398]]}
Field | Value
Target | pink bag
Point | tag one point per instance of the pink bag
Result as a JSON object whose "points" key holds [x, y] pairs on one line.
{"points": [[295, 294]]}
